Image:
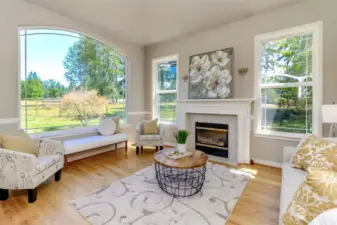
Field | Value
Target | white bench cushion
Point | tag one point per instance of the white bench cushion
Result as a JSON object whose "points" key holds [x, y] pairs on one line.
{"points": [[85, 143]]}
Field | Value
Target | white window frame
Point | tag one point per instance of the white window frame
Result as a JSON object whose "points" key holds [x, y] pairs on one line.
{"points": [[155, 91], [316, 29], [71, 131]]}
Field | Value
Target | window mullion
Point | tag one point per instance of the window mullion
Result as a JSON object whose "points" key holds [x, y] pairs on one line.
{"points": [[167, 92], [286, 85]]}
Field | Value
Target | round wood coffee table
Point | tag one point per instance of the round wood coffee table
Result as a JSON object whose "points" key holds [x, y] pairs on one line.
{"points": [[182, 177]]}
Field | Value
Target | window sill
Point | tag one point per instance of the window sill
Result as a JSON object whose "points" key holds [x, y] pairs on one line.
{"points": [[70, 132], [280, 136], [168, 124]]}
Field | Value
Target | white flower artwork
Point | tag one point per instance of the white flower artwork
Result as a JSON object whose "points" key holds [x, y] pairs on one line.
{"points": [[211, 75]]}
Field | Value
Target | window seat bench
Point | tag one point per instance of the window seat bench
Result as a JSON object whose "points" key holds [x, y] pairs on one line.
{"points": [[87, 143]]}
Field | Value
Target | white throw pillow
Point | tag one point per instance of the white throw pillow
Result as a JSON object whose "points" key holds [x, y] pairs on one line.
{"points": [[327, 218], [107, 127]]}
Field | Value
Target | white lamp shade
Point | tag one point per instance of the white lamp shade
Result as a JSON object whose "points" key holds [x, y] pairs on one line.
{"points": [[329, 113]]}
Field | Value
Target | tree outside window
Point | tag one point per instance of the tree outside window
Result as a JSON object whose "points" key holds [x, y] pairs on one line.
{"points": [[286, 83], [69, 80]]}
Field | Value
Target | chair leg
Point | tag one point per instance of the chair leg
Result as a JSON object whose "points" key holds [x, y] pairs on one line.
{"points": [[137, 150], [3, 194], [58, 175], [142, 149], [32, 194], [126, 148], [65, 163]]}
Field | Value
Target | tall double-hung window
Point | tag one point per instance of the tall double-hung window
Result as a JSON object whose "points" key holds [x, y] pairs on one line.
{"points": [[165, 88], [288, 75]]}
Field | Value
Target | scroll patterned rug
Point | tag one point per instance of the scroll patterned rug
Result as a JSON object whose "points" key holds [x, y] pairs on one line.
{"points": [[138, 200]]}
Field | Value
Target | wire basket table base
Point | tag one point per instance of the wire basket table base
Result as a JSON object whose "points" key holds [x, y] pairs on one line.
{"points": [[180, 182]]}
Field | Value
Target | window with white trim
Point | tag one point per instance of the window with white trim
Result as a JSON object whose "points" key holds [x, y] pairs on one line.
{"points": [[165, 89], [68, 80], [288, 81]]}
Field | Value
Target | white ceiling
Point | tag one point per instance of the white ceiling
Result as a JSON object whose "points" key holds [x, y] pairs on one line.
{"points": [[146, 22]]}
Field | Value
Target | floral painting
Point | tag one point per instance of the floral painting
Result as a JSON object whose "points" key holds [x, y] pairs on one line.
{"points": [[211, 75]]}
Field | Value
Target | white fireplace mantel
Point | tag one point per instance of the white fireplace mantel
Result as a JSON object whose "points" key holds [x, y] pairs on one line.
{"points": [[237, 107]]}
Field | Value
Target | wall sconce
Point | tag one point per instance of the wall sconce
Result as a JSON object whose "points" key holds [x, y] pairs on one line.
{"points": [[185, 77], [243, 71]]}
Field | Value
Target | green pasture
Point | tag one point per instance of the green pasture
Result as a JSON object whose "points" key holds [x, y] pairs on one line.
{"points": [[45, 116]]}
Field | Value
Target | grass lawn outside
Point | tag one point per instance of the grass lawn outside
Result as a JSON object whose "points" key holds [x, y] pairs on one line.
{"points": [[290, 120], [167, 112], [46, 115]]}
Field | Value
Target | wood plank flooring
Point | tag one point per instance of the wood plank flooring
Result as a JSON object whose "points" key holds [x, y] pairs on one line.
{"points": [[259, 204]]}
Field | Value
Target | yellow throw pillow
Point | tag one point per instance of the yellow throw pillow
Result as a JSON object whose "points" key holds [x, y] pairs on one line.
{"points": [[150, 127], [116, 120], [317, 194], [315, 152], [21, 143]]}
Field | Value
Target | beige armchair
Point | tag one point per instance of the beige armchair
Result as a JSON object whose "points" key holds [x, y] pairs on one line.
{"points": [[156, 140]]}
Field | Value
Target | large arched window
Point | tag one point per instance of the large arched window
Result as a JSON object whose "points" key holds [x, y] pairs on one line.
{"points": [[69, 80]]}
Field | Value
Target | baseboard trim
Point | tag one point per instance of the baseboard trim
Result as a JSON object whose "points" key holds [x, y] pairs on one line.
{"points": [[267, 163]]}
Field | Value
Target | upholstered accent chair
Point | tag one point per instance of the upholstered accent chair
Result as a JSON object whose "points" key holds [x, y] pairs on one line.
{"points": [[26, 171], [142, 140]]}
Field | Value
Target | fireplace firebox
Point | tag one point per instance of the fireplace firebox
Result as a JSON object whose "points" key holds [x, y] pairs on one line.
{"points": [[212, 138]]}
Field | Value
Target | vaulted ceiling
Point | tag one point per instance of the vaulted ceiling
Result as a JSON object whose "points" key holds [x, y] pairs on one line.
{"points": [[146, 22]]}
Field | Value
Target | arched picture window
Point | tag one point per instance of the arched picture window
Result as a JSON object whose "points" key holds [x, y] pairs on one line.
{"points": [[69, 80]]}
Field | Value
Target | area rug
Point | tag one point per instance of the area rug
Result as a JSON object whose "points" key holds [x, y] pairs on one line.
{"points": [[138, 200]]}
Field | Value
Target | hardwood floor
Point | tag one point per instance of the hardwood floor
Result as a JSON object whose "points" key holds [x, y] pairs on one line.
{"points": [[259, 204]]}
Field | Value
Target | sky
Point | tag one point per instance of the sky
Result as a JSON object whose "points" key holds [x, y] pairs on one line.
{"points": [[45, 53]]}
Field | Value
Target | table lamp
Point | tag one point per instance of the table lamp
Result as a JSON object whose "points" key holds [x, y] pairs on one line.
{"points": [[329, 115]]}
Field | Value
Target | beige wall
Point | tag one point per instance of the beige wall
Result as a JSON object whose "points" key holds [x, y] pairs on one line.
{"points": [[14, 14], [240, 35]]}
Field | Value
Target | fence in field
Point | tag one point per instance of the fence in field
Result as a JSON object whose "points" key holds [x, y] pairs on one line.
{"points": [[53, 107], [40, 115]]}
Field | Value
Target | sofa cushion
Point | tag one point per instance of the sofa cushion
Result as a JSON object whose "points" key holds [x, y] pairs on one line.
{"points": [[150, 138], [327, 218], [85, 143], [44, 162], [291, 180], [315, 152], [317, 194]]}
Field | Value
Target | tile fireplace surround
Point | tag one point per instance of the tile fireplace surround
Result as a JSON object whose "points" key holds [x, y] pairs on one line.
{"points": [[230, 107]]}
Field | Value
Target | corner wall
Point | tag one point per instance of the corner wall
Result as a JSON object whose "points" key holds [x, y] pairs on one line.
{"points": [[15, 13], [240, 35]]}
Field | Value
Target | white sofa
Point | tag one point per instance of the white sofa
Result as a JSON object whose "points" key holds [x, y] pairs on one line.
{"points": [[291, 180], [79, 144]]}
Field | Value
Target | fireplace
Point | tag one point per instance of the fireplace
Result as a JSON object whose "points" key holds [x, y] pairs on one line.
{"points": [[212, 138]]}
